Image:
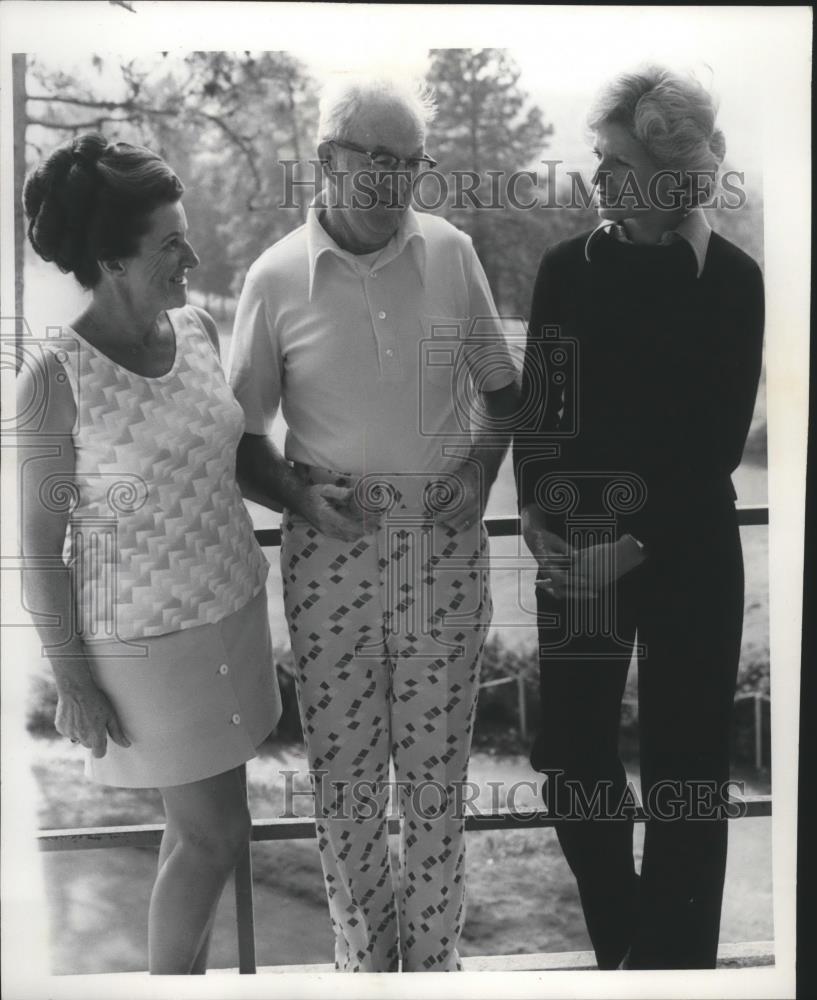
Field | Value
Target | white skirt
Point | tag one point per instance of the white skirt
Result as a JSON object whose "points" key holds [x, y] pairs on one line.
{"points": [[195, 703]]}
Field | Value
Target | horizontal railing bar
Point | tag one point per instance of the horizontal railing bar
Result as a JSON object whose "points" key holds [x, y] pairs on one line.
{"points": [[739, 954], [754, 513], [303, 828], [503, 527], [86, 838], [268, 538], [498, 681]]}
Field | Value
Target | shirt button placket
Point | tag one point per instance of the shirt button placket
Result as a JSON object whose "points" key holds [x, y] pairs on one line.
{"points": [[387, 351]]}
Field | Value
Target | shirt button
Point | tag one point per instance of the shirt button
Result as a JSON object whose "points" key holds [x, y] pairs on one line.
{"points": [[389, 352], [235, 719], [223, 669], [373, 274], [381, 315]]}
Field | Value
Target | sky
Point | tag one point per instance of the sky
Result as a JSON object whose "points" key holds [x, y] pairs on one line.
{"points": [[564, 53]]}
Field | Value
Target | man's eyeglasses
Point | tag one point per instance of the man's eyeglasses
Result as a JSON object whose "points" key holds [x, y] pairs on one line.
{"points": [[383, 161]]}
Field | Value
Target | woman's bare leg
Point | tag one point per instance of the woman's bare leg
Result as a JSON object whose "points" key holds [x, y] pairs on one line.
{"points": [[208, 824], [169, 840]]}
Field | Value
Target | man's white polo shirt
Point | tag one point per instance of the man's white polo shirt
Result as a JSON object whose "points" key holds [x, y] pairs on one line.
{"points": [[371, 363]]}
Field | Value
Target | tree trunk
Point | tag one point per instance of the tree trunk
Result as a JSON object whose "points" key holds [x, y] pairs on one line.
{"points": [[296, 140], [18, 86]]}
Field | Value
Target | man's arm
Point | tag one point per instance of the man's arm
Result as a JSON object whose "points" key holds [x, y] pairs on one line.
{"points": [[491, 438], [263, 474], [267, 478], [494, 372]]}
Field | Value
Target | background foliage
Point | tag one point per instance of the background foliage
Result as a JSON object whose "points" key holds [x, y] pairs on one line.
{"points": [[228, 122]]}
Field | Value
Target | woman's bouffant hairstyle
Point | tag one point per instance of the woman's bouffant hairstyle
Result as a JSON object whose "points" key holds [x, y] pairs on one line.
{"points": [[90, 201], [671, 115]]}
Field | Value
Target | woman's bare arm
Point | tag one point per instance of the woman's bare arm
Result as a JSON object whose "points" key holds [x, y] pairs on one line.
{"points": [[46, 485]]}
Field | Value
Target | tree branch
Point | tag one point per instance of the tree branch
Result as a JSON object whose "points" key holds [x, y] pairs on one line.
{"points": [[243, 145], [132, 111], [73, 126], [129, 106], [80, 102]]}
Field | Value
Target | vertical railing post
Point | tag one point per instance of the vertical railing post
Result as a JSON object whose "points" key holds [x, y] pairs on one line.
{"points": [[244, 914], [523, 715], [758, 733]]}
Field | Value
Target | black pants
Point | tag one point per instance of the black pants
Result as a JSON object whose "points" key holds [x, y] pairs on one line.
{"points": [[684, 608]]}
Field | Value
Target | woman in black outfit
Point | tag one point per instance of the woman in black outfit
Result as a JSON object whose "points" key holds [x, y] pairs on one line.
{"points": [[623, 462]]}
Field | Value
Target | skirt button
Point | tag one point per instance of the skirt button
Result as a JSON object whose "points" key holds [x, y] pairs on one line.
{"points": [[223, 669], [236, 719]]}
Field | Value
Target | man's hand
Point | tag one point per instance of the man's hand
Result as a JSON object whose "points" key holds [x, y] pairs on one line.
{"points": [[333, 511], [268, 478]]}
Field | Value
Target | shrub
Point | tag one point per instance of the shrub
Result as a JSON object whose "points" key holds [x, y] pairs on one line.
{"points": [[42, 707], [497, 726]]}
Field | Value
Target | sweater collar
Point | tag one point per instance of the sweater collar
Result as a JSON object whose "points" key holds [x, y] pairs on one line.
{"points": [[694, 229]]}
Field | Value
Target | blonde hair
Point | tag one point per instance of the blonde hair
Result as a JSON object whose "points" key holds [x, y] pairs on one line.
{"points": [[672, 115]]}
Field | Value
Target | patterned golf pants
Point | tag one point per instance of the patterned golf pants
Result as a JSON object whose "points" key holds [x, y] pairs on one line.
{"points": [[387, 635]]}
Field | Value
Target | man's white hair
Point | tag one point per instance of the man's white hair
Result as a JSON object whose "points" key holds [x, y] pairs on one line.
{"points": [[343, 97]]}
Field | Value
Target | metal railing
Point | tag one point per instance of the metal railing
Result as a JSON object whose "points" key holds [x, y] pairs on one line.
{"points": [[278, 829]]}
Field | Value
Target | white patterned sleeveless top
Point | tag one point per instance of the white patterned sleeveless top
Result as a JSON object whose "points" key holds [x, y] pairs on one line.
{"points": [[159, 538]]}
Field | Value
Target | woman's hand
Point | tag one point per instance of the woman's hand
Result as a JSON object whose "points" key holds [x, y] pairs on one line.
{"points": [[601, 565], [85, 715], [561, 576]]}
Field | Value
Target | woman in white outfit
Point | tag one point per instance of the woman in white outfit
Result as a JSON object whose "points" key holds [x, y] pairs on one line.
{"points": [[160, 639]]}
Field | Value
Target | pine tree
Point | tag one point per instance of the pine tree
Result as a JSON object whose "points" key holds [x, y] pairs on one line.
{"points": [[485, 123]]}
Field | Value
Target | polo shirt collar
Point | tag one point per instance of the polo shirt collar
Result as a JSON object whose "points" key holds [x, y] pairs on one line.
{"points": [[693, 229], [319, 242]]}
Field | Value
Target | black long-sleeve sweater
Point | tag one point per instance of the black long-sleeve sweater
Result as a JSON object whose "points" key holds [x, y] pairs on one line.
{"points": [[659, 377]]}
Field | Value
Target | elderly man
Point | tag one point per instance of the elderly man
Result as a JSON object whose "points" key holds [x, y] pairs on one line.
{"points": [[373, 326]]}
